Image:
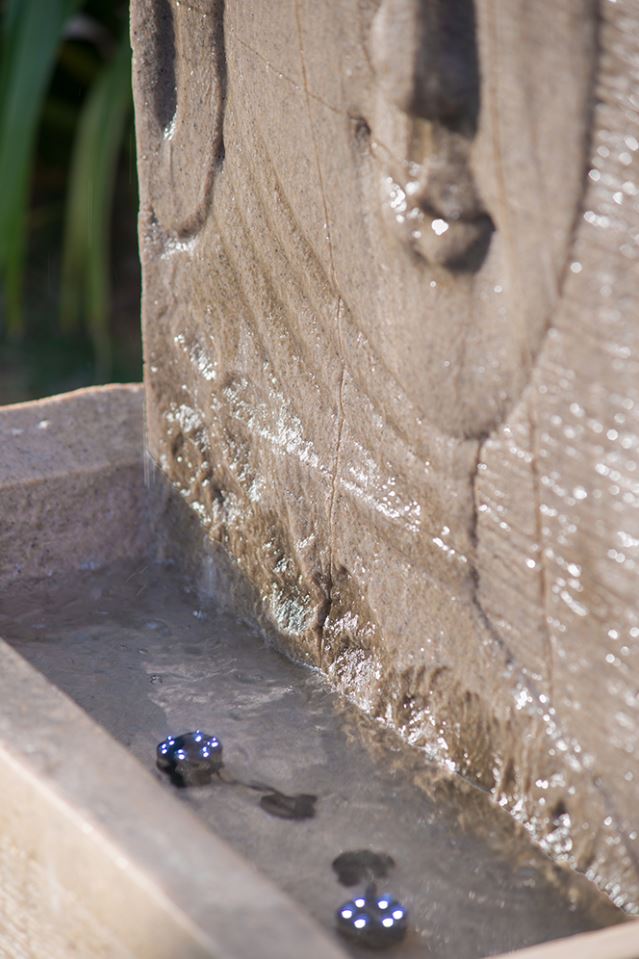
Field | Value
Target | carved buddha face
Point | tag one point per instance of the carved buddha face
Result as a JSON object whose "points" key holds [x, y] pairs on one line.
{"points": [[447, 232], [479, 136]]}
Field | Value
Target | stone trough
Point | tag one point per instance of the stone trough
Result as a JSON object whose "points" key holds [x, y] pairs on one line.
{"points": [[89, 862], [99, 856], [391, 432]]}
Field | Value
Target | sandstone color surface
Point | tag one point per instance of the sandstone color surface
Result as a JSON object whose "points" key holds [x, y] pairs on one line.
{"points": [[390, 320]]}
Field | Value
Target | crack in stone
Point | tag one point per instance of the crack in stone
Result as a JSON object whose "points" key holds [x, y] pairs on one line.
{"points": [[334, 484], [474, 567], [324, 612], [539, 537]]}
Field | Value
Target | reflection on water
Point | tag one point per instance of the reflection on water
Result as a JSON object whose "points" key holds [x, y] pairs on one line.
{"points": [[139, 651]]}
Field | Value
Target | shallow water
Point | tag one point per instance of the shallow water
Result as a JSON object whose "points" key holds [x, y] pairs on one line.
{"points": [[140, 652]]}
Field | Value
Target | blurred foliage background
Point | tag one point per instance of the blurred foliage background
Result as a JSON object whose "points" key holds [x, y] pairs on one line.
{"points": [[69, 270]]}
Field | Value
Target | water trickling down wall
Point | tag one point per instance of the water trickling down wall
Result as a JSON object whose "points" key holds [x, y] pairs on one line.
{"points": [[390, 283]]}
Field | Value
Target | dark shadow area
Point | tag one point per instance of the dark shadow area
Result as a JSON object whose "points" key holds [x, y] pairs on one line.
{"points": [[162, 79]]}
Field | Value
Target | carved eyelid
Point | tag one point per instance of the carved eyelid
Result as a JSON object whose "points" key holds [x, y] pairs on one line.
{"points": [[187, 107], [425, 56]]}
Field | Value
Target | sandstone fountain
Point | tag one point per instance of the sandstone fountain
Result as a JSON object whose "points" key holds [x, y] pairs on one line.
{"points": [[390, 283]]}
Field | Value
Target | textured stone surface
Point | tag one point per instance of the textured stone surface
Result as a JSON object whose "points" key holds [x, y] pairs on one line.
{"points": [[90, 862], [71, 482], [95, 860], [389, 257]]}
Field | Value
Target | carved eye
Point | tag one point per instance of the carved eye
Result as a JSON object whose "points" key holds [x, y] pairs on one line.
{"points": [[180, 86], [425, 56], [161, 79]]}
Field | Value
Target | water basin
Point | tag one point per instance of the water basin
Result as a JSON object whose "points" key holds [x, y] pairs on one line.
{"points": [[139, 650]]}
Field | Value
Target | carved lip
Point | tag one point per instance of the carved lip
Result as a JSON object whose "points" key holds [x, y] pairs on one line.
{"points": [[459, 243], [457, 239]]}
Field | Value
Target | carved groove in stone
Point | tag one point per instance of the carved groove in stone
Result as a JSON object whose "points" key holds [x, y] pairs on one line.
{"points": [[181, 74]]}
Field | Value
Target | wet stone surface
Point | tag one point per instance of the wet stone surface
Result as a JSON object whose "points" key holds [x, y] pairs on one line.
{"points": [[147, 658]]}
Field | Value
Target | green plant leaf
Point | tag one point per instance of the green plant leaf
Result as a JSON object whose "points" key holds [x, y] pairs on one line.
{"points": [[30, 37], [86, 260]]}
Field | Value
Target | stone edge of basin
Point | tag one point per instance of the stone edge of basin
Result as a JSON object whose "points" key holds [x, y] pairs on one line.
{"points": [[60, 457], [85, 832], [616, 942], [95, 855]]}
